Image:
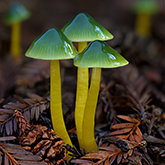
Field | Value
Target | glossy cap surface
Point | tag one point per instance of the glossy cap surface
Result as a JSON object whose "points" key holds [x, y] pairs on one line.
{"points": [[146, 6], [84, 28], [52, 45], [99, 54], [16, 13]]}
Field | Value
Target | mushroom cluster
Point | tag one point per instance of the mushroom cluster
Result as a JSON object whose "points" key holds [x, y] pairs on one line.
{"points": [[83, 29], [55, 45], [96, 56]]}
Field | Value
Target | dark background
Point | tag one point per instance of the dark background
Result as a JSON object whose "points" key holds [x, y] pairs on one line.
{"points": [[112, 14]]}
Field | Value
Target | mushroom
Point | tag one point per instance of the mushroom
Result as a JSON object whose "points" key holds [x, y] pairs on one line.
{"points": [[82, 29], [97, 55], [144, 9], [54, 46], [15, 15]]}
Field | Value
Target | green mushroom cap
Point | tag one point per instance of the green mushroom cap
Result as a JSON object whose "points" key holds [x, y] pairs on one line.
{"points": [[146, 6], [52, 45], [16, 13], [84, 28], [99, 55]]}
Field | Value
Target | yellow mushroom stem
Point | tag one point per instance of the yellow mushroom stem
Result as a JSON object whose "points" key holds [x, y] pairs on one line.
{"points": [[15, 48], [56, 102], [90, 109], [143, 24], [81, 95]]}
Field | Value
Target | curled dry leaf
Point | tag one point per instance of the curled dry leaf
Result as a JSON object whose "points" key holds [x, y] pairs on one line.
{"points": [[30, 107], [109, 155], [122, 125], [121, 131], [16, 155], [97, 157], [129, 131], [127, 118], [7, 138]]}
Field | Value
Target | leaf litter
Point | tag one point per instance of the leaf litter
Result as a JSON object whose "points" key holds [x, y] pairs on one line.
{"points": [[130, 122]]}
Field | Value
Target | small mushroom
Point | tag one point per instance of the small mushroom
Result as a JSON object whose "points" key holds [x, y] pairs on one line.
{"points": [[54, 46], [97, 55], [15, 15], [82, 29], [144, 10]]}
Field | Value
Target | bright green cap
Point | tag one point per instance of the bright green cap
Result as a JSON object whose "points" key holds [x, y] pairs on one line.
{"points": [[84, 28], [146, 6], [99, 55], [52, 45], [16, 13]]}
